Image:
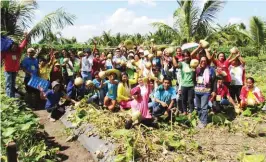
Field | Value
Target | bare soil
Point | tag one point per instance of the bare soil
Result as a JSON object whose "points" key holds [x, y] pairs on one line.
{"points": [[69, 151]]}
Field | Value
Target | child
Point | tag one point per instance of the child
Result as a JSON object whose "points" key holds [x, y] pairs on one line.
{"points": [[250, 95], [52, 100], [220, 95], [110, 98]]}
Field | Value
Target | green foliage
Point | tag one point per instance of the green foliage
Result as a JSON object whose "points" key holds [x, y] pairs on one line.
{"points": [[22, 126]]}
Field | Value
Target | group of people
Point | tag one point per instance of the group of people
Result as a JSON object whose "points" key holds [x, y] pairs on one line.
{"points": [[151, 82]]}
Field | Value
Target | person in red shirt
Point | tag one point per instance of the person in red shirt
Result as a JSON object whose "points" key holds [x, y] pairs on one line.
{"points": [[98, 64], [222, 65], [220, 95], [11, 60], [179, 55]]}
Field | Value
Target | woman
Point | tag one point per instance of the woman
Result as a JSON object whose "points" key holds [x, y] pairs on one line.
{"points": [[222, 65], [187, 82], [123, 91], [237, 72], [250, 95], [205, 76]]}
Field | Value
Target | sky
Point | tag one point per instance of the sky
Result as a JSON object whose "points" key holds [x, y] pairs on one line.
{"points": [[135, 16]]}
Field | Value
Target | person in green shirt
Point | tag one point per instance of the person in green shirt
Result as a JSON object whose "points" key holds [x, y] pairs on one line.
{"points": [[187, 82]]}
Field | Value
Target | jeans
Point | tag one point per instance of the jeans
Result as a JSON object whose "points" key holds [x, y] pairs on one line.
{"points": [[187, 97], [202, 107], [94, 99], [86, 75], [102, 95], [10, 83]]}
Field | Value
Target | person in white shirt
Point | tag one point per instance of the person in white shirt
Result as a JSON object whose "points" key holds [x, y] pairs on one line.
{"points": [[117, 59], [86, 65], [237, 72]]}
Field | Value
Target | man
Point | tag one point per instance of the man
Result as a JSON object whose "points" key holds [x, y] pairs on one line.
{"points": [[76, 89], [118, 59], [165, 96], [86, 65], [12, 60], [30, 66]]}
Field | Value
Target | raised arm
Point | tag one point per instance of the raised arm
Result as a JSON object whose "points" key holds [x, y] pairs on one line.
{"points": [[242, 61], [194, 52], [231, 60], [176, 65]]}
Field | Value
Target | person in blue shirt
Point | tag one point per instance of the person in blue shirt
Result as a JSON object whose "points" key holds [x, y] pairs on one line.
{"points": [[31, 67], [165, 96], [102, 89], [76, 90], [112, 84], [52, 98]]}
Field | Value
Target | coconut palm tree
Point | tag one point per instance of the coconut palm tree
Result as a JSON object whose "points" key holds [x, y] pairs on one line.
{"points": [[17, 16], [192, 23], [257, 31]]}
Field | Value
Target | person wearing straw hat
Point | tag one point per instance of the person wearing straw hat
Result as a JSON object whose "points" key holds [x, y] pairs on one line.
{"points": [[86, 65], [76, 89], [11, 57], [52, 98], [112, 84]]}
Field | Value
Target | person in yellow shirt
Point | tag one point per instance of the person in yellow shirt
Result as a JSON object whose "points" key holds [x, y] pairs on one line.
{"points": [[123, 90], [45, 67]]}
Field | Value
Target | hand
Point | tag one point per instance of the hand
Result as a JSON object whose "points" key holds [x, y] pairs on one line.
{"points": [[40, 89], [164, 104], [213, 94]]}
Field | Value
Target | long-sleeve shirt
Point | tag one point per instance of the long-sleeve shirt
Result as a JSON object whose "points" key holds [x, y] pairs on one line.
{"points": [[12, 58], [123, 90]]}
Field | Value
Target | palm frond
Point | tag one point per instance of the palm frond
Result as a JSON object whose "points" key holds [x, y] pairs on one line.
{"points": [[165, 27], [55, 20], [257, 31], [207, 16]]}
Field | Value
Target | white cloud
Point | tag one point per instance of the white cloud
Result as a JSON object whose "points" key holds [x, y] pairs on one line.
{"points": [[122, 20], [148, 2]]}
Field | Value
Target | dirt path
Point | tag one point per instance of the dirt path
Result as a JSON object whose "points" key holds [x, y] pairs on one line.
{"points": [[70, 151]]}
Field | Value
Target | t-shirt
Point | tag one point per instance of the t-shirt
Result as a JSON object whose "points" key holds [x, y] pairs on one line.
{"points": [[75, 93], [179, 58], [187, 75], [98, 64], [111, 90], [108, 64], [87, 63], [52, 98], [117, 59], [236, 73], [45, 71], [222, 91], [157, 62], [31, 65], [98, 83], [165, 95], [223, 66]]}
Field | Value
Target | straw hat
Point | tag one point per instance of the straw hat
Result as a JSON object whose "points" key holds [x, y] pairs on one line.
{"points": [[204, 44], [150, 56], [234, 50], [194, 63], [78, 81], [89, 83], [80, 53], [159, 53], [146, 53], [111, 71], [102, 74]]}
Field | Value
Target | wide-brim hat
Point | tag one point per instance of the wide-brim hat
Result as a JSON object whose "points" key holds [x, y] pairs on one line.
{"points": [[112, 71], [55, 83]]}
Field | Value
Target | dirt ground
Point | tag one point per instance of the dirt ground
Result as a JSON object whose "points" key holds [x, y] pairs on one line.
{"points": [[69, 151]]}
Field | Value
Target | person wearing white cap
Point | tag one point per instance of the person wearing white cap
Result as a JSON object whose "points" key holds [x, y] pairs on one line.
{"points": [[52, 98], [31, 67]]}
